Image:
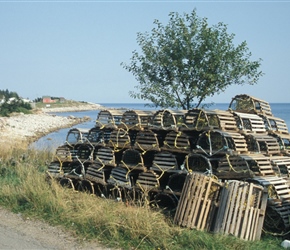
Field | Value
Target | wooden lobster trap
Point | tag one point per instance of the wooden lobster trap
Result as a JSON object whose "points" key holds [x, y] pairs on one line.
{"points": [[284, 142], [201, 119], [263, 143], [178, 141], [119, 139], [283, 164], [77, 136], [121, 177], [167, 119], [245, 166], [132, 160], [274, 124], [278, 207], [148, 181], [105, 156], [164, 161], [96, 137], [241, 210], [98, 173], [146, 140], [198, 202], [84, 152], [250, 123], [136, 119], [221, 142], [64, 153], [109, 118], [249, 104], [199, 163]]}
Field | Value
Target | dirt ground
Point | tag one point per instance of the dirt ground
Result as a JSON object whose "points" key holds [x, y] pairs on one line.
{"points": [[17, 232]]}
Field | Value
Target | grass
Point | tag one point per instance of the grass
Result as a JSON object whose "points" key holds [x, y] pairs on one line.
{"points": [[25, 189]]}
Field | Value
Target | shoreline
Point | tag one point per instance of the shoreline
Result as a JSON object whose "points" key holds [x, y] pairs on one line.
{"points": [[19, 130]]}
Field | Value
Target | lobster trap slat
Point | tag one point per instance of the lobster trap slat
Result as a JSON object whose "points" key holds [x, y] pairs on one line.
{"points": [[198, 202], [242, 210]]}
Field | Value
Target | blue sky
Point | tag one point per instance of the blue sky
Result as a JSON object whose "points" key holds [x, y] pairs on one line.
{"points": [[74, 49]]}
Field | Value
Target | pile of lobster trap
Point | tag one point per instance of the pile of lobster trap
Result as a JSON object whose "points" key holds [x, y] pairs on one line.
{"points": [[215, 170]]}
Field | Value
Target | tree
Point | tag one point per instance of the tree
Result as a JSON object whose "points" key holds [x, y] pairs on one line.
{"points": [[184, 62]]}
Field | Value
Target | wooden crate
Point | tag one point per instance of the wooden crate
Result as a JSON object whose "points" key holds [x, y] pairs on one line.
{"points": [[109, 118], [241, 211], [198, 202], [221, 142], [263, 144], [249, 104], [167, 119], [146, 140], [250, 123], [119, 139]]}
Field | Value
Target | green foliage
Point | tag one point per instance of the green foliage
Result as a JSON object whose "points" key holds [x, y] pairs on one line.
{"points": [[12, 103], [186, 61]]}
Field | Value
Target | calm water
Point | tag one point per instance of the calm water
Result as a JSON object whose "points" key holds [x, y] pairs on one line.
{"points": [[53, 140]]}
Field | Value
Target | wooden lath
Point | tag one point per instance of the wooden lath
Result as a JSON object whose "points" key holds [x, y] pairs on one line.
{"points": [[109, 118], [274, 124], [249, 104], [220, 142], [198, 202], [263, 143], [241, 211], [164, 162], [167, 119], [249, 123], [146, 140], [201, 119], [136, 119], [119, 139]]}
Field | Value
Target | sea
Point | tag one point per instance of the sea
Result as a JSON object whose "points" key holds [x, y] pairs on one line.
{"points": [[53, 140]]}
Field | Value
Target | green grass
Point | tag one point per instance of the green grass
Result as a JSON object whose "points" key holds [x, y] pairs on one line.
{"points": [[24, 188]]}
